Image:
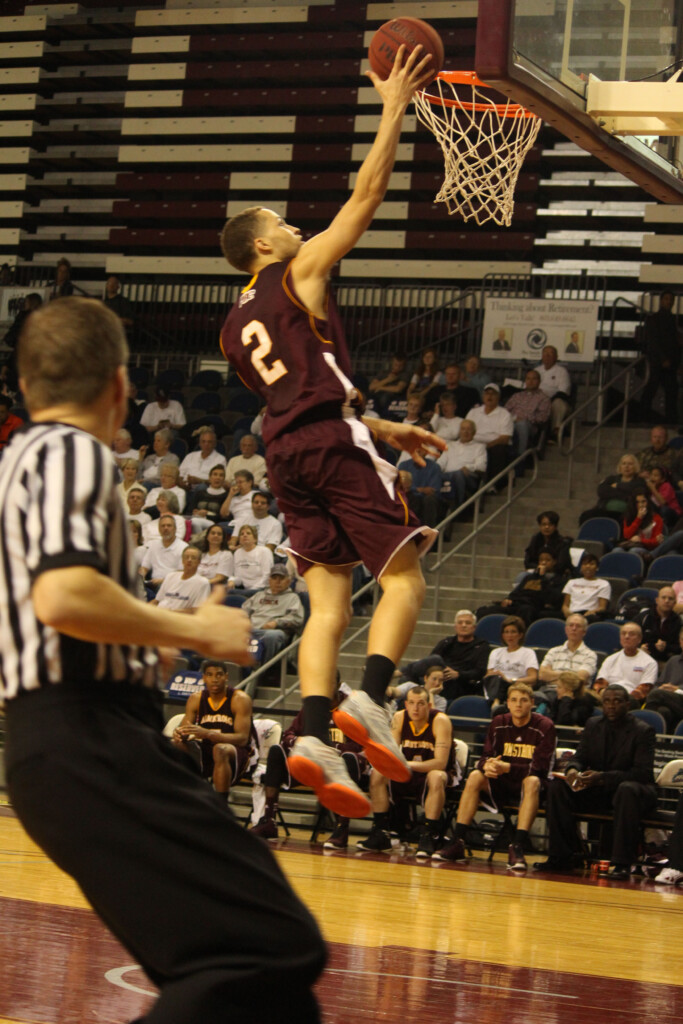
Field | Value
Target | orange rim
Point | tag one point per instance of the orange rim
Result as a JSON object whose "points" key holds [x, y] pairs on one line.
{"points": [[471, 78]]}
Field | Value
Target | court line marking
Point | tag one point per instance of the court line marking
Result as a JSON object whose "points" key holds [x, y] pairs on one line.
{"points": [[447, 981], [115, 977]]}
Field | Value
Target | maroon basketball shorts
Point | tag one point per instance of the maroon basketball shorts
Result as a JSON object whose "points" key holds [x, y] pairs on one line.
{"points": [[414, 788], [243, 762], [339, 498]]}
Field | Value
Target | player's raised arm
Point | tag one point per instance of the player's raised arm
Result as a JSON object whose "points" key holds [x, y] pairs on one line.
{"points": [[317, 256]]}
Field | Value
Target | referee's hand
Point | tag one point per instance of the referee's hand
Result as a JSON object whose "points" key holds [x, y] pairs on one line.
{"points": [[222, 632]]}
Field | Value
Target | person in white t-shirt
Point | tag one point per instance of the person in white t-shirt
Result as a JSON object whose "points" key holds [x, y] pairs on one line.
{"points": [[163, 555], [630, 667], [135, 499], [165, 412], [588, 596], [495, 428], [253, 561], [168, 475], [167, 504], [196, 466], [444, 422], [511, 663], [186, 590], [217, 564], [556, 384], [249, 459], [269, 528]]}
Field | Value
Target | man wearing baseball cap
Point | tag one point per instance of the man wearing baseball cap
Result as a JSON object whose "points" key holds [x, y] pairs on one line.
{"points": [[495, 427], [276, 612]]}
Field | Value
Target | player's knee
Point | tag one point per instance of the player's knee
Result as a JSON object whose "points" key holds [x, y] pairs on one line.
{"points": [[476, 780], [531, 785], [224, 754]]}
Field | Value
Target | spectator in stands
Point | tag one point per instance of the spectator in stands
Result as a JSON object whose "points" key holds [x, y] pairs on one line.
{"points": [[117, 303], [513, 769], [196, 466], [162, 455], [237, 505], [571, 656], [414, 413], [615, 491], [445, 422], [659, 453], [538, 595], [556, 384], [427, 375], [465, 396], [611, 772], [204, 504], [643, 530], [252, 561], [184, 591], [661, 627], [631, 668], [168, 476], [217, 564], [269, 528], [248, 459], [424, 495], [588, 596], [432, 682], [548, 538], [11, 339], [474, 376], [663, 496], [163, 555], [167, 505], [463, 465], [662, 346], [511, 663], [277, 777], [129, 477], [463, 656], [276, 612], [425, 736], [530, 410], [494, 429], [9, 423], [136, 497], [391, 386], [122, 447], [220, 720], [667, 696], [139, 547], [164, 413], [567, 702], [62, 285]]}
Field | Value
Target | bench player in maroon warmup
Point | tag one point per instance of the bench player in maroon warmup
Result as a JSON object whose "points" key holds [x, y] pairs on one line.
{"points": [[341, 500]]}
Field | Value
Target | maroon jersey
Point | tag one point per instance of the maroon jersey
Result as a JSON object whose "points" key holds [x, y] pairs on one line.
{"points": [[530, 748], [221, 718], [418, 742], [298, 364]]}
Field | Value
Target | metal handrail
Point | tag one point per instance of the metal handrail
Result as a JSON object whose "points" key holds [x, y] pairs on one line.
{"points": [[601, 418]]}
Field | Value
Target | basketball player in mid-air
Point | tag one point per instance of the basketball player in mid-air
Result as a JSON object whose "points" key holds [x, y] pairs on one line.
{"points": [[341, 501]]}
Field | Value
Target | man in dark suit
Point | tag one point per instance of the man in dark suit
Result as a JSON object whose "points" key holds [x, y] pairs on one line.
{"points": [[612, 770]]}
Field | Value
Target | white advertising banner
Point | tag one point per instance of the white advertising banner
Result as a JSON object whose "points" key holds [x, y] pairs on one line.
{"points": [[517, 329], [12, 300]]}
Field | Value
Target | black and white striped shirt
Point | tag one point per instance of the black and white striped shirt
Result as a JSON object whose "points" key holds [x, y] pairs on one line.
{"points": [[59, 508]]}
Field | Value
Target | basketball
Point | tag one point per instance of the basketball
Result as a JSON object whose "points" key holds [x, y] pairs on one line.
{"points": [[409, 31]]}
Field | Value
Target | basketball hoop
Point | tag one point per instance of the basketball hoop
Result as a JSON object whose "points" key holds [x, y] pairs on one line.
{"points": [[483, 144]]}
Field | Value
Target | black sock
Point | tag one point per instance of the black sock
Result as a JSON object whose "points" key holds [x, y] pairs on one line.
{"points": [[432, 825], [380, 819], [460, 830], [522, 838], [270, 808], [377, 675], [317, 718]]}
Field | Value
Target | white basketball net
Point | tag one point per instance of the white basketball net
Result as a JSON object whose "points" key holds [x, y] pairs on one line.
{"points": [[483, 144]]}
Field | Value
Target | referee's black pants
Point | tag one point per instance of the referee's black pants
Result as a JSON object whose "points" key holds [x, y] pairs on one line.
{"points": [[676, 840], [629, 803], [201, 904]]}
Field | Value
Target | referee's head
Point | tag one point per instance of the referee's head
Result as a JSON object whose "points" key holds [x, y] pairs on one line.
{"points": [[70, 352]]}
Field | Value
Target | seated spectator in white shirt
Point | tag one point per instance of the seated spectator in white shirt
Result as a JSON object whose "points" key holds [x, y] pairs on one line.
{"points": [[123, 449], [168, 476], [186, 590], [269, 528], [217, 564], [511, 663], [237, 505], [205, 503], [135, 499], [249, 459], [162, 455], [196, 466], [139, 547], [571, 656], [129, 476], [163, 555], [167, 505], [253, 561], [494, 429], [556, 384], [630, 667], [414, 414], [444, 422], [588, 596], [165, 412], [463, 464]]}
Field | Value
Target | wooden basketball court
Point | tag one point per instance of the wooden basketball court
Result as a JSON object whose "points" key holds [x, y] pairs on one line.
{"points": [[435, 943]]}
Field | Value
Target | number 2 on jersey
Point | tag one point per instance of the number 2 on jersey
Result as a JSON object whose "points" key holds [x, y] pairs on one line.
{"points": [[269, 374]]}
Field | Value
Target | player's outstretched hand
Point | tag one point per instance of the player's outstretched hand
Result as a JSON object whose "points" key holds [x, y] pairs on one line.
{"points": [[222, 632], [417, 441], [408, 74]]}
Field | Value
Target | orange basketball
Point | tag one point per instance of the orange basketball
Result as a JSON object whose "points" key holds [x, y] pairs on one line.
{"points": [[409, 31]]}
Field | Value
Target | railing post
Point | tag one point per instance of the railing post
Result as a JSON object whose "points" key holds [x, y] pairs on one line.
{"points": [[437, 577], [624, 422], [511, 476]]}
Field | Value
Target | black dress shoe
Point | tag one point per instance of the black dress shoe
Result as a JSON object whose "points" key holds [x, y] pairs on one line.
{"points": [[553, 865], [616, 873]]}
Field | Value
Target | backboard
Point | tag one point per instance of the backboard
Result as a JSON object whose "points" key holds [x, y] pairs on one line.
{"points": [[542, 52]]}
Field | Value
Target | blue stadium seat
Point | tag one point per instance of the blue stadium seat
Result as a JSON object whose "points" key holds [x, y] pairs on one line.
{"points": [[462, 710], [652, 718], [209, 401], [678, 735], [545, 633], [210, 380], [245, 402], [170, 379], [623, 565], [600, 529], [488, 628], [665, 569], [603, 636]]}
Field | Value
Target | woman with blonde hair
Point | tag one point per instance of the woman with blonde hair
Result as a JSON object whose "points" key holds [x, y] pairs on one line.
{"points": [[253, 561], [615, 491]]}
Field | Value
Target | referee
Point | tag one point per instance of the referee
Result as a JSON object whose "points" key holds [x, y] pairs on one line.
{"points": [[200, 903]]}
